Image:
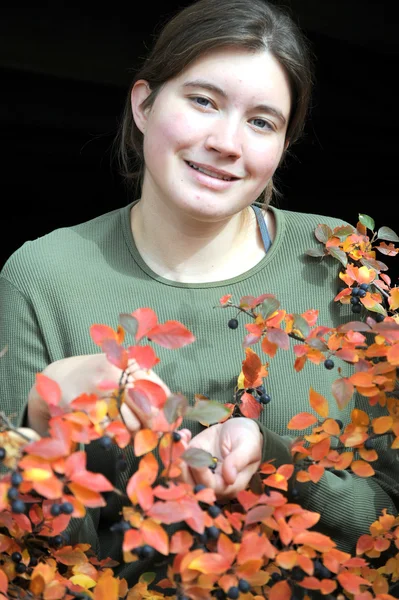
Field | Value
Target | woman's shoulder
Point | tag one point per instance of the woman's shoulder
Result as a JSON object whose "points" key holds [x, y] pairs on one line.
{"points": [[308, 219], [65, 245]]}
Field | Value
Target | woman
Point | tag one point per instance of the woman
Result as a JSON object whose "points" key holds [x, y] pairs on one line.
{"points": [[209, 117]]}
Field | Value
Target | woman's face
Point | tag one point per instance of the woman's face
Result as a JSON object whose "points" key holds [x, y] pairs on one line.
{"points": [[215, 133]]}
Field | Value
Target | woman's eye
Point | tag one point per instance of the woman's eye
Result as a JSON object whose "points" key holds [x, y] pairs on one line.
{"points": [[261, 123], [201, 101]]}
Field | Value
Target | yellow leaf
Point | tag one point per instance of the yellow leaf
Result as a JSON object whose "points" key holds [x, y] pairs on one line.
{"points": [[145, 440], [394, 298], [37, 474], [83, 580]]}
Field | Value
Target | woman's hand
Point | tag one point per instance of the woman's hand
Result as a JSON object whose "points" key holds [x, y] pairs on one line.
{"points": [[237, 444], [84, 374]]}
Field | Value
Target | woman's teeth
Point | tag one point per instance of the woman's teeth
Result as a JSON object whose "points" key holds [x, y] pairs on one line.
{"points": [[210, 173]]}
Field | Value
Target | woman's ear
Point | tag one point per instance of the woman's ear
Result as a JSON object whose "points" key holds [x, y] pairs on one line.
{"points": [[140, 92]]}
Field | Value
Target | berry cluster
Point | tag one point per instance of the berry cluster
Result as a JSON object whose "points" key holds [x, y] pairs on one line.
{"points": [[357, 293]]}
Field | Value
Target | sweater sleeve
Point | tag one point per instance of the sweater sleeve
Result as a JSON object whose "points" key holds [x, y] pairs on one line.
{"points": [[25, 352], [347, 504]]}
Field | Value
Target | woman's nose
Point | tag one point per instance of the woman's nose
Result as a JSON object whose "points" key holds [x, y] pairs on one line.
{"points": [[225, 138]]}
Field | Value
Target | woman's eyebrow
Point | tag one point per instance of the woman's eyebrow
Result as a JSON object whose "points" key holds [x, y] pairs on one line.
{"points": [[206, 85]]}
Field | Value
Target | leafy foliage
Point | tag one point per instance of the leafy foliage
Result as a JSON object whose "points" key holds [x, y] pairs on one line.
{"points": [[261, 546]]}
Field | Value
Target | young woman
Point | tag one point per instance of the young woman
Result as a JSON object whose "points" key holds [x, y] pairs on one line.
{"points": [[209, 117]]}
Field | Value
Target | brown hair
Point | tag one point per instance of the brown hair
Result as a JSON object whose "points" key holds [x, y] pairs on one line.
{"points": [[205, 25]]}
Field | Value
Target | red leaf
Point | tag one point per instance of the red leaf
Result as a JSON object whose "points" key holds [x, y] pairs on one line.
{"points": [[144, 356], [249, 406], [147, 319], [116, 354], [87, 497], [3, 582], [48, 389], [152, 392], [224, 299], [171, 334]]}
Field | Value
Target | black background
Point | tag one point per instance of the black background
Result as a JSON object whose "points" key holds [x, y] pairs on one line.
{"points": [[65, 72]]}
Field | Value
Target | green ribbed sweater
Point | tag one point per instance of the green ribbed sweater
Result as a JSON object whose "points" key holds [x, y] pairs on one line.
{"points": [[54, 288]]}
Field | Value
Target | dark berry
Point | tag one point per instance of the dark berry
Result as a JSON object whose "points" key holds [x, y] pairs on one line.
{"points": [[121, 464], [12, 493], [357, 308], [355, 300], [294, 492], [219, 594], [276, 577], [329, 364], [233, 323], [105, 442], [379, 317], [120, 526], [176, 436], [2, 453], [339, 423], [362, 293], [260, 390], [33, 561], [20, 568], [243, 586], [199, 487], [16, 479], [355, 291], [57, 541], [16, 557], [213, 532], [369, 444], [364, 286], [18, 506], [264, 399], [146, 551], [55, 510], [67, 508], [214, 511], [233, 592]]}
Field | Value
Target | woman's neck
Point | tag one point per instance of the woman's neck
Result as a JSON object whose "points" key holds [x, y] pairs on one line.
{"points": [[184, 249]]}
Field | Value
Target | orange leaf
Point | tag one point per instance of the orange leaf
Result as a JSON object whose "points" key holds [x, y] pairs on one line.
{"points": [[155, 536], [226, 548], [315, 540], [253, 369], [95, 482], [211, 562], [152, 392], [87, 497], [107, 588], [268, 347], [316, 472], [280, 591], [393, 354], [69, 556], [171, 334], [351, 582], [132, 539], [382, 424], [181, 542], [48, 389], [249, 407], [3, 582], [100, 333], [286, 559], [302, 421], [318, 403], [362, 468], [145, 440], [321, 449]]}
